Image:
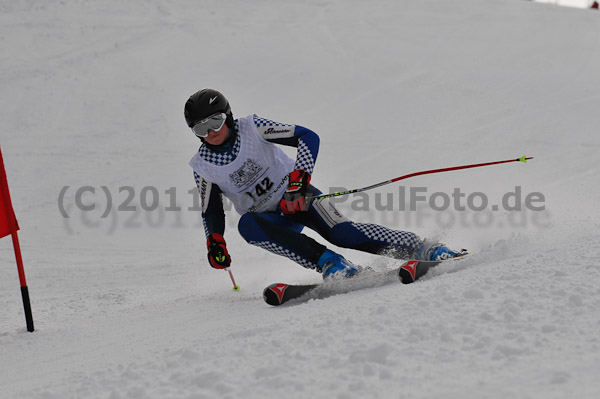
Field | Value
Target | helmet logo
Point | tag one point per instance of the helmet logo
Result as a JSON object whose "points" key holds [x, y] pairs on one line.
{"points": [[212, 100]]}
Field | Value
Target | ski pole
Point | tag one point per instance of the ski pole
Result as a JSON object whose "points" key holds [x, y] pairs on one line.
{"points": [[425, 172], [235, 286]]}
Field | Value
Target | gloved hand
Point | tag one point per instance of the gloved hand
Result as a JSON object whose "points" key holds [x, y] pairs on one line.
{"points": [[218, 257], [294, 198]]}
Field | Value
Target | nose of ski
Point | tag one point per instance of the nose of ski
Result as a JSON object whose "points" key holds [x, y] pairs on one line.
{"points": [[412, 270]]}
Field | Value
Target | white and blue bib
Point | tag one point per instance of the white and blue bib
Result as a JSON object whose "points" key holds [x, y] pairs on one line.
{"points": [[256, 179]]}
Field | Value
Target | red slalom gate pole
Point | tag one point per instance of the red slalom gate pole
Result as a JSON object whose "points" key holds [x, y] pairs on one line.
{"points": [[425, 172], [12, 226], [23, 281]]}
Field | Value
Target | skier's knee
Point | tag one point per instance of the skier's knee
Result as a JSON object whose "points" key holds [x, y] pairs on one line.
{"points": [[341, 235]]}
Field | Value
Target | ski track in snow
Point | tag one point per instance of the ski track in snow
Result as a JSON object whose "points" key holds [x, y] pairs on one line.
{"points": [[126, 306]]}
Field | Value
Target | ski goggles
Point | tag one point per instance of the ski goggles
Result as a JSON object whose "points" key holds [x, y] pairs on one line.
{"points": [[214, 122]]}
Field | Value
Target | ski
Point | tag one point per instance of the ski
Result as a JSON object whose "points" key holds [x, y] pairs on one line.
{"points": [[278, 294], [412, 270], [409, 272]]}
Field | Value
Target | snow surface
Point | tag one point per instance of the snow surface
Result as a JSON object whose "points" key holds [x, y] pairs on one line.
{"points": [[569, 3], [126, 306]]}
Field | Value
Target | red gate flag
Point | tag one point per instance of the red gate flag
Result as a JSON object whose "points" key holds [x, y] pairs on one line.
{"points": [[8, 221], [9, 225]]}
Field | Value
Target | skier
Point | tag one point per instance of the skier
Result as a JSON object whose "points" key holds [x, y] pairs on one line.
{"points": [[241, 159]]}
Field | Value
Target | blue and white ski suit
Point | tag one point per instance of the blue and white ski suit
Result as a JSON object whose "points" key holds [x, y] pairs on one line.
{"points": [[252, 171]]}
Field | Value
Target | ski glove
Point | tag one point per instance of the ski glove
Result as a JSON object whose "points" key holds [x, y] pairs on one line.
{"points": [[294, 199], [218, 257]]}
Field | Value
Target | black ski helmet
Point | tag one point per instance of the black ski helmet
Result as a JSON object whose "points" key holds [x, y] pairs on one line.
{"points": [[205, 103]]}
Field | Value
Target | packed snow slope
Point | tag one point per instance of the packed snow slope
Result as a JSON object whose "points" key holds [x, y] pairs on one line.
{"points": [[124, 302]]}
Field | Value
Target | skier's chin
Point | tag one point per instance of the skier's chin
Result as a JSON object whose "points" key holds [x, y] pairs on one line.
{"points": [[217, 138]]}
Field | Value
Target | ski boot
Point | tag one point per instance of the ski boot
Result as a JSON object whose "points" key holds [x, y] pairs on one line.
{"points": [[437, 251], [334, 265]]}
